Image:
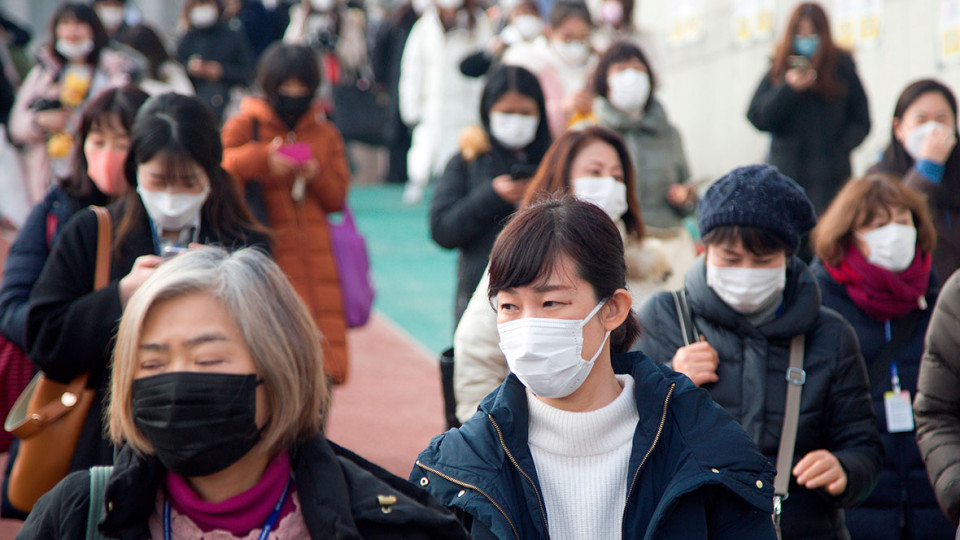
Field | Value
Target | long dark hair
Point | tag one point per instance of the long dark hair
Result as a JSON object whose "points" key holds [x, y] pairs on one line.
{"points": [[824, 61], [118, 105], [895, 158], [621, 51], [516, 79], [553, 177], [183, 130], [84, 14], [531, 245]]}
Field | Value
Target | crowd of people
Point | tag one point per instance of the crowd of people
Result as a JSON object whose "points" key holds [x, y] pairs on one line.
{"points": [[773, 356]]}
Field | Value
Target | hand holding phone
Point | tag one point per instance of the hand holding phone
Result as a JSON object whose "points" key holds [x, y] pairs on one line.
{"points": [[299, 153]]}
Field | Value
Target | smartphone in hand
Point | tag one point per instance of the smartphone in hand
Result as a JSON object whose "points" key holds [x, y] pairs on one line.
{"points": [[798, 62], [299, 153]]}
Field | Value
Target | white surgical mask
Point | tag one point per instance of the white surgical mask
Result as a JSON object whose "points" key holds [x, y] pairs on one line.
{"points": [[628, 90], [746, 290], [603, 191], [204, 16], [419, 6], [574, 53], [110, 16], [892, 246], [914, 143], [611, 12], [513, 131], [545, 354], [173, 211], [507, 6], [449, 4], [529, 26], [322, 5], [75, 51]]}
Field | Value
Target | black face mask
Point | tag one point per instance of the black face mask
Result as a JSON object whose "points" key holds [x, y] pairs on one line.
{"points": [[291, 108], [198, 423]]}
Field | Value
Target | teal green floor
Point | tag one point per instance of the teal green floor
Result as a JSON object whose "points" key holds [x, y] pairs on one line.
{"points": [[415, 278]]}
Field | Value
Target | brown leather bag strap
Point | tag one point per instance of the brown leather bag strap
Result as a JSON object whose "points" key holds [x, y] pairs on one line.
{"points": [[101, 275]]}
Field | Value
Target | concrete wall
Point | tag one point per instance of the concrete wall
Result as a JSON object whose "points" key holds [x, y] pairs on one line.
{"points": [[707, 86]]}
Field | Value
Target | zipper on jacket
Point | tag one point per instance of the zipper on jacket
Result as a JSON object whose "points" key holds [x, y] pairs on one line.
{"points": [[656, 439], [543, 512], [475, 488]]}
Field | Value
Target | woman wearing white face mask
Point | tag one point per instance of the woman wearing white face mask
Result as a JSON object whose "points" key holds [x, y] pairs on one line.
{"points": [[46, 113], [749, 296], [593, 165], [923, 150], [217, 56], [625, 103], [179, 195], [436, 100], [581, 441], [562, 59], [874, 244], [484, 182]]}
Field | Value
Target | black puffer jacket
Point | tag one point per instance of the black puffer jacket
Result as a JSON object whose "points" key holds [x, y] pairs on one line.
{"points": [[811, 137], [339, 493], [835, 409], [467, 214], [223, 43], [937, 407]]}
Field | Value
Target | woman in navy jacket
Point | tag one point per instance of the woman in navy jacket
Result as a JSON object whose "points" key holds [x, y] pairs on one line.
{"points": [[605, 447], [874, 247]]}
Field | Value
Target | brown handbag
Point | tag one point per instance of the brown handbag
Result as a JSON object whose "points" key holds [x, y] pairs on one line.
{"points": [[49, 416]]}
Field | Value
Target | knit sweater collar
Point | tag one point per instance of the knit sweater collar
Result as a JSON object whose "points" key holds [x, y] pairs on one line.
{"points": [[577, 434]]}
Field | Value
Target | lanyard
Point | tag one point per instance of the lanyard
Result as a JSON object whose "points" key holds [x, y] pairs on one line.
{"points": [[264, 533], [894, 377]]}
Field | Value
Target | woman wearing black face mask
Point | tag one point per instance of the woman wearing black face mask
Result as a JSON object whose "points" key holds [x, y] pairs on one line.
{"points": [[216, 404], [283, 140]]}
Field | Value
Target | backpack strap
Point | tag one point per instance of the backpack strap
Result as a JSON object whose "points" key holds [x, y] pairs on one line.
{"points": [[99, 475], [796, 377], [254, 129], [688, 329]]}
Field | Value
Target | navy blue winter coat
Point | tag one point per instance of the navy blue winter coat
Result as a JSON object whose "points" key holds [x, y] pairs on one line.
{"points": [[29, 252], [693, 472], [835, 409], [903, 494]]}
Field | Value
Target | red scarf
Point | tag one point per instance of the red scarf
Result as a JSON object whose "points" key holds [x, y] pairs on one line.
{"points": [[882, 294]]}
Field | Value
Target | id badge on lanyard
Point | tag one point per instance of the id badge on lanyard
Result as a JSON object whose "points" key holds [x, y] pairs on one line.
{"points": [[897, 405]]}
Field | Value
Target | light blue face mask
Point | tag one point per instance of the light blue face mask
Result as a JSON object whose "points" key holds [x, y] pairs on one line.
{"points": [[806, 45]]}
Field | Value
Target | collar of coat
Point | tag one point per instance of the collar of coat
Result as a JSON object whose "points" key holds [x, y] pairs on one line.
{"points": [[337, 489], [698, 444], [653, 120], [801, 303]]}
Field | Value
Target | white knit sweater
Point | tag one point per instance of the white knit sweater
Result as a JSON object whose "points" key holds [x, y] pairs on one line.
{"points": [[582, 460]]}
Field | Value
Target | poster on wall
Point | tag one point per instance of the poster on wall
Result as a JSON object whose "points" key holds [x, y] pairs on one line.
{"points": [[752, 21], [949, 32], [858, 23], [686, 21]]}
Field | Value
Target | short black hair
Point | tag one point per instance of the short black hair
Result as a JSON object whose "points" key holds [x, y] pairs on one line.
{"points": [[282, 61], [621, 51], [754, 239]]}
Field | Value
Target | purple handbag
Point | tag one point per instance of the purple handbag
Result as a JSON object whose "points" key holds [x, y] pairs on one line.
{"points": [[353, 266]]}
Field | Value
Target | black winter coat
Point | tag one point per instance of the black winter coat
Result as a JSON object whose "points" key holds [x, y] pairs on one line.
{"points": [[339, 495], [811, 137], [835, 409], [903, 493], [693, 473], [937, 407], [467, 214], [70, 328], [224, 44], [29, 252]]}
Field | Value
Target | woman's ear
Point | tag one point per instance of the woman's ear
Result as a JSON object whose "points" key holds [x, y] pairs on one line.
{"points": [[616, 310]]}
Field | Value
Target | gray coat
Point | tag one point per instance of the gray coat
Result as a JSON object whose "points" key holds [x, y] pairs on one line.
{"points": [[658, 159], [836, 413]]}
